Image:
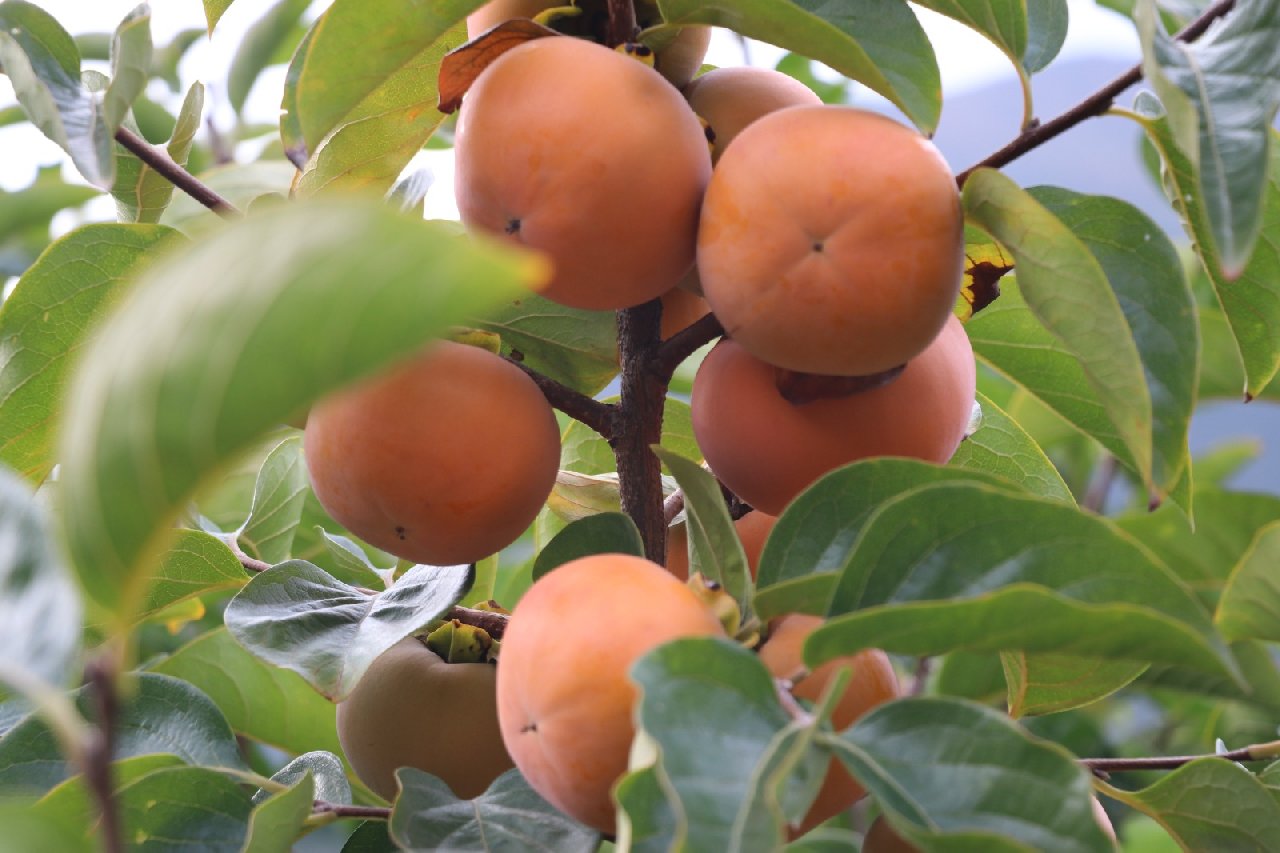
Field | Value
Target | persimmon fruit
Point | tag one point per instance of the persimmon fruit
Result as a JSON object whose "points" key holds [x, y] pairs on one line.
{"points": [[768, 450], [753, 529], [444, 459], [680, 310], [564, 696], [569, 147], [873, 683], [411, 709], [729, 99], [831, 241]]}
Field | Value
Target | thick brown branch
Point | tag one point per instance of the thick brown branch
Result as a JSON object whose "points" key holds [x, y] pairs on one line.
{"points": [[638, 425], [594, 414], [682, 344], [1094, 105], [1256, 752], [99, 675], [622, 22], [182, 179]]}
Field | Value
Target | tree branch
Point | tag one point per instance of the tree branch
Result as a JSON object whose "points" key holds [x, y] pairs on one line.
{"points": [[682, 344], [160, 160], [594, 414], [100, 679], [320, 807], [638, 425], [1256, 752], [622, 22], [1094, 105]]}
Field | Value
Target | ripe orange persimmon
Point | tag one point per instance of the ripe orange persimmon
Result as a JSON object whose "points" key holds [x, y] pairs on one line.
{"points": [[753, 529], [411, 709], [767, 450], [831, 241], [729, 99], [564, 696], [874, 682], [444, 459], [577, 150]]}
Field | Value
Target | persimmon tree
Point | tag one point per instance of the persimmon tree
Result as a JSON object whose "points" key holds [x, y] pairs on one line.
{"points": [[1074, 609]]}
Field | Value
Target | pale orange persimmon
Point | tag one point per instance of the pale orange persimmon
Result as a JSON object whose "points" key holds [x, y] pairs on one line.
{"points": [[729, 99], [677, 60], [873, 683], [753, 529], [565, 702], [831, 241], [411, 709], [569, 147], [680, 310], [443, 459], [767, 450], [881, 837]]}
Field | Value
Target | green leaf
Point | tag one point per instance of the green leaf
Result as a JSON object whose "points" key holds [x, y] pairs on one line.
{"points": [[1230, 78], [358, 61], [720, 769], [1049, 684], [714, 547], [1002, 22], [26, 830], [1002, 447], [239, 184], [575, 347], [372, 836], [213, 11], [278, 496], [259, 45], [35, 205], [1046, 33], [43, 65], [509, 816], [195, 563], [130, 65], [1146, 274], [814, 538], [185, 808], [1067, 290], [277, 822], [879, 43], [221, 342], [159, 714], [1251, 300], [1210, 804], [952, 775], [956, 565], [260, 701], [142, 193], [606, 533], [39, 604], [1250, 604], [72, 802], [297, 617], [324, 768], [46, 320]]}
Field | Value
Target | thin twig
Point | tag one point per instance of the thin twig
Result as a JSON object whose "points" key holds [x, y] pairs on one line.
{"points": [[339, 810], [1095, 497], [100, 678], [1094, 105], [594, 414], [1255, 752], [672, 506], [921, 677], [683, 344], [165, 165]]}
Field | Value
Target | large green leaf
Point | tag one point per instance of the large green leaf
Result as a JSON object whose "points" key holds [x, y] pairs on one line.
{"points": [[951, 775], [325, 768], [130, 65], [1001, 447], [239, 183], [963, 565], [259, 45], [185, 808], [277, 822], [604, 533], [296, 616], [1046, 32], [195, 563], [1230, 79], [879, 43], [26, 830], [32, 208], [575, 347], [1048, 684], [1250, 605], [1067, 290], [159, 715], [1250, 300], [45, 321], [1210, 804], [278, 497], [509, 817], [142, 193], [43, 64], [260, 701], [353, 59], [39, 604], [72, 802], [214, 10], [223, 341]]}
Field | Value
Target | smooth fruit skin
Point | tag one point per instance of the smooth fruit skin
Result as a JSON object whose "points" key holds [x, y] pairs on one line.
{"points": [[411, 709], [568, 147], [873, 683], [443, 460], [753, 529], [565, 702], [767, 450], [831, 241], [680, 310], [729, 99]]}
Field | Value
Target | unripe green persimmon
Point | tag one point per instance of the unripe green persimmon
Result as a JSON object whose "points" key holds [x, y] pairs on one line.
{"points": [[411, 709]]}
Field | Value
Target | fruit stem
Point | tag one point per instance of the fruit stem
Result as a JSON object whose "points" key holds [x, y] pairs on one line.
{"points": [[637, 425], [622, 23]]}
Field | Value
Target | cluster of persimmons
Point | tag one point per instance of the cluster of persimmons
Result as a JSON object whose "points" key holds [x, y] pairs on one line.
{"points": [[828, 242]]}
